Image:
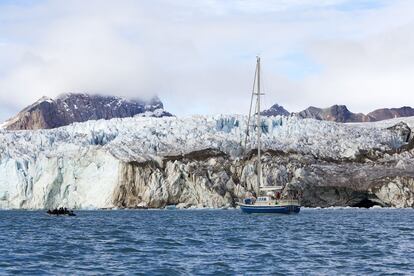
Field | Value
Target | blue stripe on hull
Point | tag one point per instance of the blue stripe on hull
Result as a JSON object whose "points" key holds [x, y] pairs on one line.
{"points": [[270, 209]]}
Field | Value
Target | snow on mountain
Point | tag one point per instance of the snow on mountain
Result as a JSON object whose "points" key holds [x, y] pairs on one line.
{"points": [[80, 165], [80, 107]]}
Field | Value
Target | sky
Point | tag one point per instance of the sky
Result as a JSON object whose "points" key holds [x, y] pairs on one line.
{"points": [[199, 56]]}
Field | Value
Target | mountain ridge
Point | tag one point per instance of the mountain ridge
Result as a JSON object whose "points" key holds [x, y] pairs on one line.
{"points": [[341, 114], [47, 113]]}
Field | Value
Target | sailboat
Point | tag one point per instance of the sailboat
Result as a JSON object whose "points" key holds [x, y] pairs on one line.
{"points": [[268, 199]]}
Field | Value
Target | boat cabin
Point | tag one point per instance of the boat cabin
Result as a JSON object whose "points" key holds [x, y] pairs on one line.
{"points": [[260, 199], [263, 199]]}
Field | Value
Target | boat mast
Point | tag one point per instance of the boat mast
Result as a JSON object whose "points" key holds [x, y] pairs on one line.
{"points": [[256, 93], [250, 111], [259, 130]]}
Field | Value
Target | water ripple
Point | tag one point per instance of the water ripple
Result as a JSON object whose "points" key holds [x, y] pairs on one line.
{"points": [[315, 242]]}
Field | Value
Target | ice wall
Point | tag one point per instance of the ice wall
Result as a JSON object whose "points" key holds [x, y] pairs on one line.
{"points": [[80, 166]]}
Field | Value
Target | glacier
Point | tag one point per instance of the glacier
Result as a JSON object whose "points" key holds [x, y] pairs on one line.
{"points": [[201, 161]]}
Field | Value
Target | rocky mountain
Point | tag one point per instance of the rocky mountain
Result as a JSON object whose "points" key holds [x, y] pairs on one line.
{"points": [[341, 114], [49, 113], [199, 162], [275, 110], [335, 113], [389, 113]]}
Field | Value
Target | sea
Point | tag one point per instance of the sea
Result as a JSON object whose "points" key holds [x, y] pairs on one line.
{"points": [[333, 241]]}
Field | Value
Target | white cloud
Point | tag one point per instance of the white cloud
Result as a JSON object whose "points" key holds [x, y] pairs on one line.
{"points": [[198, 56]]}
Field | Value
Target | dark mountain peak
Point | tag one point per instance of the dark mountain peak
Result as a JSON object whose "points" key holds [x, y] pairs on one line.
{"points": [[389, 113], [275, 110], [80, 107], [44, 99], [341, 114], [335, 113], [339, 107]]}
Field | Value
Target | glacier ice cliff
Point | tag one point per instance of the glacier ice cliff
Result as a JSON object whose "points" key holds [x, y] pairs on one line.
{"points": [[200, 161]]}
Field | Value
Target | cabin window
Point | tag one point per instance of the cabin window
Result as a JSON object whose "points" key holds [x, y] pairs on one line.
{"points": [[262, 199]]}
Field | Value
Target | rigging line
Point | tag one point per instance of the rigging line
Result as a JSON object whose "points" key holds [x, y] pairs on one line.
{"points": [[259, 164], [250, 110]]}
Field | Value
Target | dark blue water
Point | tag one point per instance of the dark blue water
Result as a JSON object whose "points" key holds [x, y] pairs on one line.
{"points": [[330, 242]]}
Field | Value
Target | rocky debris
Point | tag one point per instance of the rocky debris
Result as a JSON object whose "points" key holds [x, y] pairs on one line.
{"points": [[219, 181], [396, 192], [403, 130], [49, 113]]}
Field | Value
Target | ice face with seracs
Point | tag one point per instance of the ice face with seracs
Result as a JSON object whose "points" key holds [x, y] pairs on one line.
{"points": [[77, 165]]}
